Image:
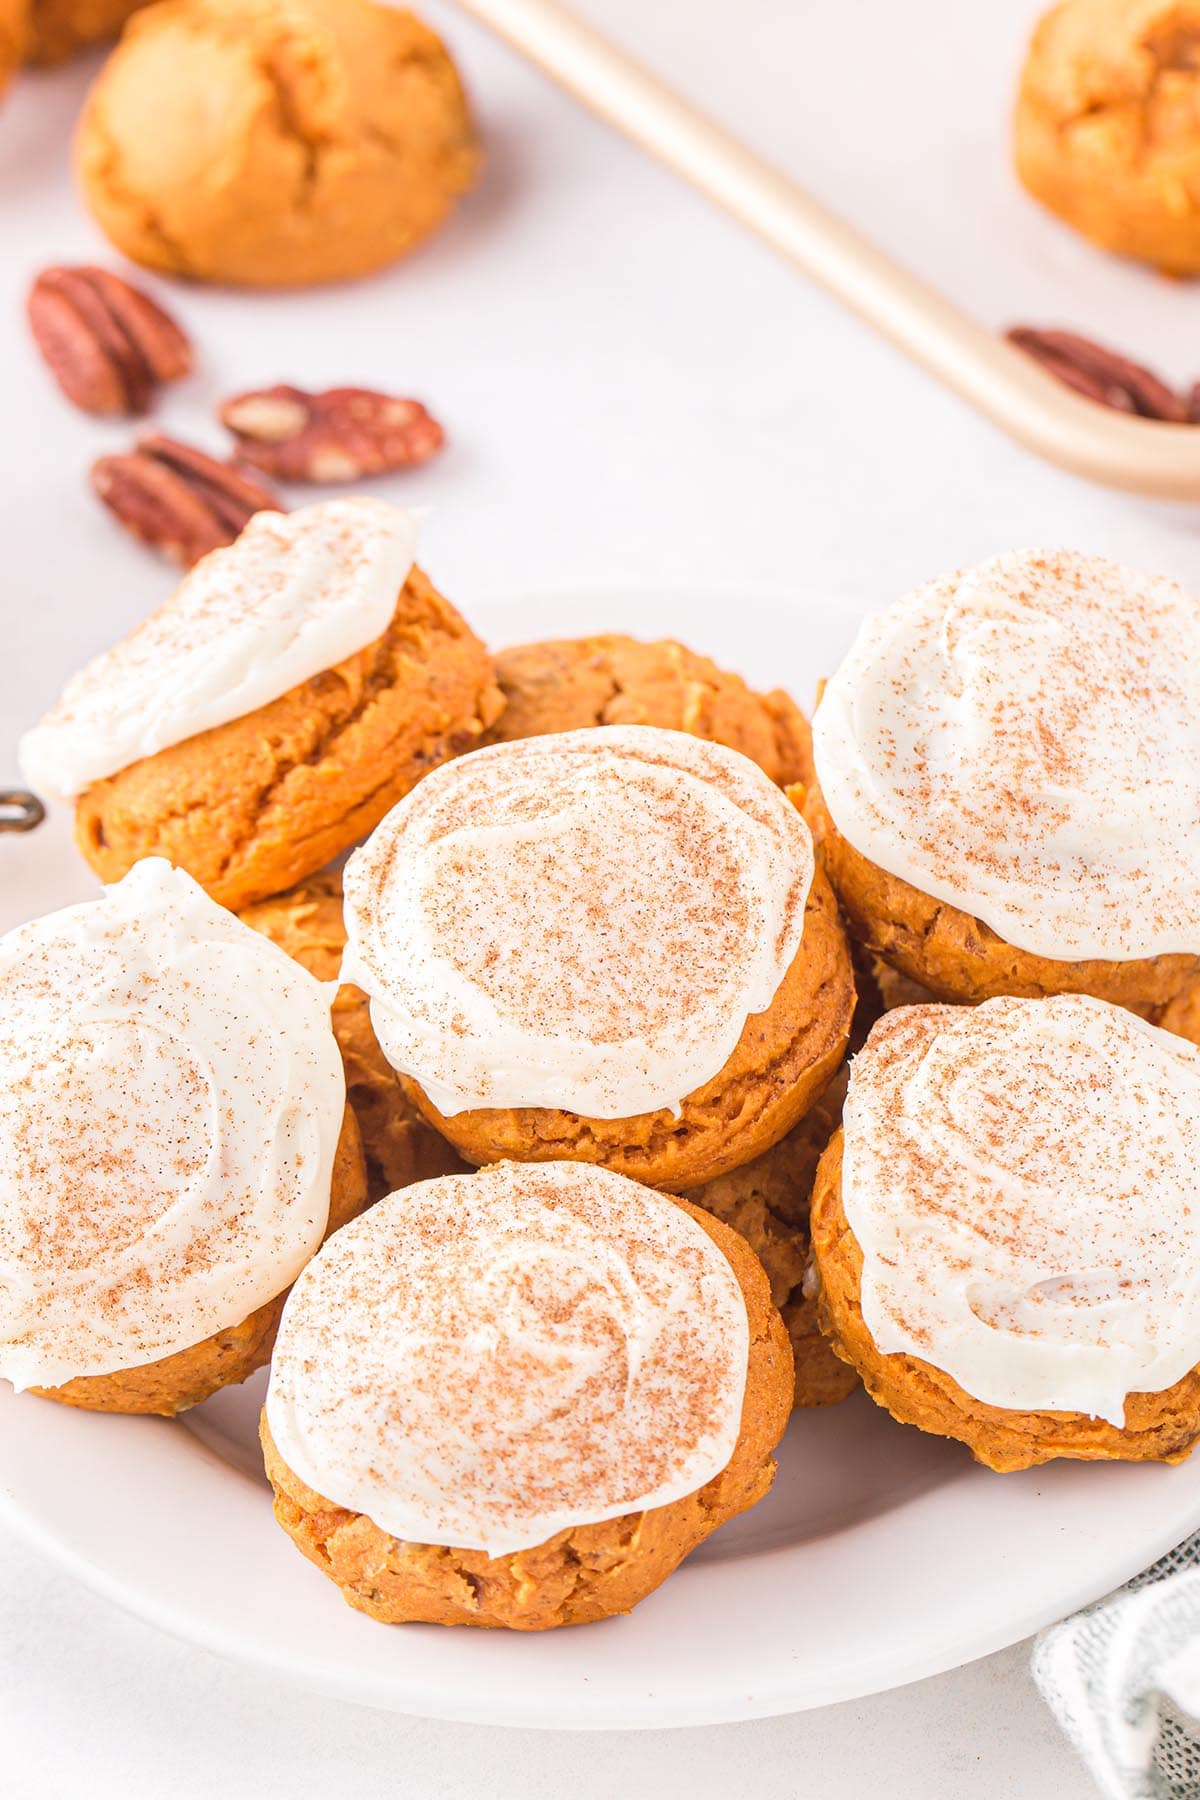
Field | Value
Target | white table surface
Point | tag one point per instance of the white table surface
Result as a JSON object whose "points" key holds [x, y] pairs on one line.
{"points": [[635, 393]]}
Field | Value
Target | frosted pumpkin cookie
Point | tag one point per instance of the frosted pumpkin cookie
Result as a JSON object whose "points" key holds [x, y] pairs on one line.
{"points": [[609, 945], [521, 1397], [400, 1146], [292, 688], [174, 1145], [1007, 782], [1006, 1230], [767, 1200], [570, 683]]}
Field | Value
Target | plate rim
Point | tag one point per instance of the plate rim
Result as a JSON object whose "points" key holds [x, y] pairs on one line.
{"points": [[646, 1712]]}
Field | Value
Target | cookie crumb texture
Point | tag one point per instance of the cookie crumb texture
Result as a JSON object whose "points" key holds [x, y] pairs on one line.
{"points": [[586, 1573], [254, 806], [1108, 126], [959, 958], [781, 1065], [1159, 1427], [342, 139], [767, 1201], [173, 1383], [400, 1147], [569, 684]]}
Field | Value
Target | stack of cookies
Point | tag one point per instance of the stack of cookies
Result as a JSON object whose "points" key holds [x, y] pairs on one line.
{"points": [[523, 1142], [1006, 797]]}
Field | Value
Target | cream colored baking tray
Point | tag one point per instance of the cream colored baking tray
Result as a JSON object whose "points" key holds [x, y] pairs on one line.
{"points": [[1140, 455]]}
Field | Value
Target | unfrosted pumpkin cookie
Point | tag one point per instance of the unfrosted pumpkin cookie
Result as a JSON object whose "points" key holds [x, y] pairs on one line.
{"points": [[292, 688], [400, 1146], [569, 683], [342, 139], [521, 1397], [1006, 1232], [1106, 130], [767, 1200], [174, 1145], [607, 945], [1007, 782]]}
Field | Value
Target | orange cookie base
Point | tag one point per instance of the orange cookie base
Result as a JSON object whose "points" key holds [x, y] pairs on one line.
{"points": [[252, 807], [343, 139], [1160, 1427], [187, 1377], [957, 957], [586, 1573], [1182, 1015], [573, 683], [767, 1201], [400, 1147], [783, 1062]]}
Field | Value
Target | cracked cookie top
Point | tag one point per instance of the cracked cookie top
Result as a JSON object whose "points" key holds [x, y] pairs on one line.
{"points": [[485, 1360], [565, 684], [342, 139], [584, 920], [296, 594]]}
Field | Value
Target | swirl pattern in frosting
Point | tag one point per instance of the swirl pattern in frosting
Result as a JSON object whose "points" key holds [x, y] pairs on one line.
{"points": [[1022, 740], [584, 920], [171, 1096], [485, 1360], [1022, 1178], [297, 593]]}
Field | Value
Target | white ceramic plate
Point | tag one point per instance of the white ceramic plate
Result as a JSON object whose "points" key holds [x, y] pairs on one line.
{"points": [[880, 1555]]}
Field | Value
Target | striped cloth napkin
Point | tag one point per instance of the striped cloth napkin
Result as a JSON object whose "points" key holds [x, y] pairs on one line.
{"points": [[1123, 1677]]}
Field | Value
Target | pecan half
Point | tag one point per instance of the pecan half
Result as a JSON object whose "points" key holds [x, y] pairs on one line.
{"points": [[106, 343], [178, 500], [340, 435], [1101, 375]]}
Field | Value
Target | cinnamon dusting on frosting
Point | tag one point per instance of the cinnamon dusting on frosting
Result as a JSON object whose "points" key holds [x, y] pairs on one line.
{"points": [[170, 1101], [484, 1360], [1022, 1179], [296, 594], [583, 920], [1022, 740]]}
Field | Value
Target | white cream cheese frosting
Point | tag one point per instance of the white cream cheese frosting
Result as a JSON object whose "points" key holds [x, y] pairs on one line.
{"points": [[297, 593], [1024, 1180], [171, 1097], [1022, 740], [584, 920], [485, 1360]]}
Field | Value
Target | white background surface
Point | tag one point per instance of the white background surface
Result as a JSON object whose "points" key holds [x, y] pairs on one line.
{"points": [[634, 392]]}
